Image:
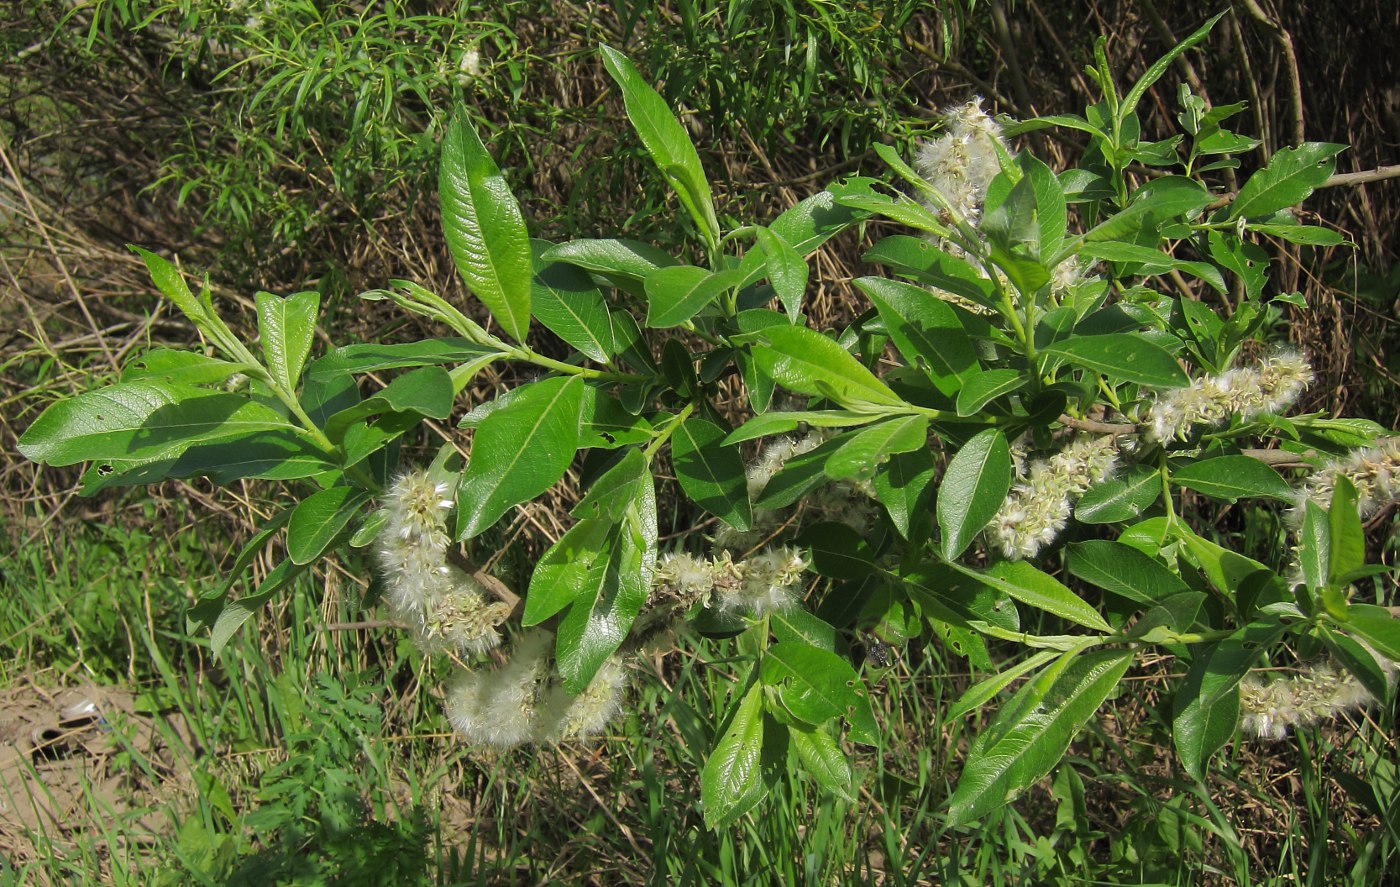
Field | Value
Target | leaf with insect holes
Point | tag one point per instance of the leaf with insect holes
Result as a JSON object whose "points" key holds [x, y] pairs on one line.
{"points": [[730, 784]]}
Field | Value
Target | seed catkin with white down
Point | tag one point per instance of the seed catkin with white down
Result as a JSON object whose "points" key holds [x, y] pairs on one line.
{"points": [[1247, 392], [1269, 707], [500, 707], [1040, 503], [848, 502], [1373, 471], [444, 608], [962, 162]]}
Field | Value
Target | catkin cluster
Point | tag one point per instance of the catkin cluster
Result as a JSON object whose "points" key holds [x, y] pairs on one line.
{"points": [[447, 610], [962, 162], [444, 608], [1041, 501], [1373, 471], [1246, 392], [521, 702], [1269, 707]]}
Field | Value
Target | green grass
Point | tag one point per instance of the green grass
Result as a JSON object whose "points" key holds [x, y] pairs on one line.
{"points": [[313, 756]]}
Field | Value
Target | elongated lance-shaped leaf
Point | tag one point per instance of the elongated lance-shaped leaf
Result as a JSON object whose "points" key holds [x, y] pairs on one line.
{"points": [[1030, 747], [142, 421], [973, 489], [1291, 176], [1159, 67], [519, 451], [730, 784], [485, 229], [926, 331], [666, 141], [599, 619]]}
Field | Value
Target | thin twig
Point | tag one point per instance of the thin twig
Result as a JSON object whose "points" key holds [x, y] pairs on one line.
{"points": [[1285, 42], [1364, 177]]}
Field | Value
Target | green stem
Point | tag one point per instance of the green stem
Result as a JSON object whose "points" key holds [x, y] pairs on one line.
{"points": [[665, 433], [529, 355]]}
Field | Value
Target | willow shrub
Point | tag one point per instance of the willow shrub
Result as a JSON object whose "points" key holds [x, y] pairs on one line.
{"points": [[1019, 378]]}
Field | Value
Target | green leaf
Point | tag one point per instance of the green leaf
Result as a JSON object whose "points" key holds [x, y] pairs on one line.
{"points": [[813, 685], [1153, 204], [1377, 627], [1029, 747], [1347, 552], [1155, 71], [1290, 176], [1147, 261], [786, 270], [1028, 585], [565, 571], [1307, 235], [183, 367], [610, 495], [426, 391], [730, 784], [371, 358], [269, 455], [1124, 356], [712, 472], [141, 421], [816, 219], [918, 258], [904, 486], [1233, 477], [838, 551], [983, 691], [600, 618], [926, 331], [868, 449], [625, 263], [1206, 708], [1248, 262], [766, 424], [287, 328], [319, 519], [1119, 499], [666, 141], [519, 451], [1314, 545], [172, 285], [797, 625], [676, 294], [806, 362], [484, 227], [1226, 569], [823, 759], [1123, 570], [1051, 213], [564, 299], [973, 489], [980, 389]]}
